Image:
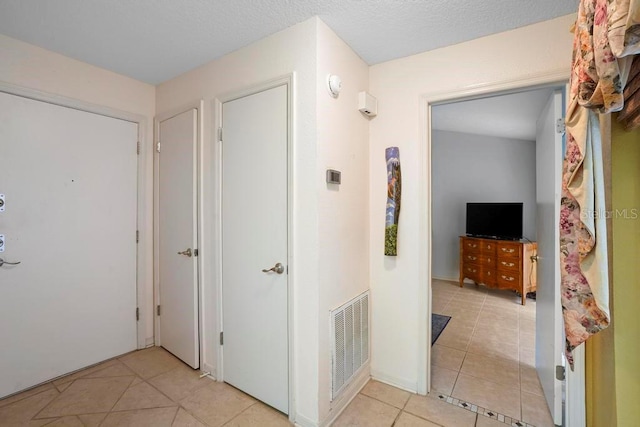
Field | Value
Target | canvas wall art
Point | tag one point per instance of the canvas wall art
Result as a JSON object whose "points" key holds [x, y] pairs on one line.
{"points": [[394, 192]]}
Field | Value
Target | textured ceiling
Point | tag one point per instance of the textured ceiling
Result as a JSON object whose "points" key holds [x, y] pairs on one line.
{"points": [[155, 40], [512, 116]]}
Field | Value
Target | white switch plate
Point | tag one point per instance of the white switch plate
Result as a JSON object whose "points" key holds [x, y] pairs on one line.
{"points": [[1, 242]]}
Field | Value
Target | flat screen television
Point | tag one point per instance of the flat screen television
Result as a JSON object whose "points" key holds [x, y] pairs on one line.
{"points": [[495, 220]]}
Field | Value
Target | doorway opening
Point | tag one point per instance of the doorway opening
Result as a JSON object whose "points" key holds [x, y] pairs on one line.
{"points": [[489, 342]]}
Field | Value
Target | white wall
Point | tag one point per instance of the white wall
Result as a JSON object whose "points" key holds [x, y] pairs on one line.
{"points": [[396, 283], [343, 210], [475, 168], [291, 50], [32, 67]]}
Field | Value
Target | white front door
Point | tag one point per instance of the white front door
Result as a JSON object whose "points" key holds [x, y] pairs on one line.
{"points": [[69, 180], [177, 236], [254, 239], [549, 341]]}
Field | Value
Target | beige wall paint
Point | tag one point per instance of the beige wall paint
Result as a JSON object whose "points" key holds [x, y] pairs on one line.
{"points": [[290, 51], [542, 48], [343, 211], [35, 68]]}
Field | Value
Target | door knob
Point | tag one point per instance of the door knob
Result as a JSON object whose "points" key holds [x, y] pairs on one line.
{"points": [[3, 262], [187, 252], [278, 268]]}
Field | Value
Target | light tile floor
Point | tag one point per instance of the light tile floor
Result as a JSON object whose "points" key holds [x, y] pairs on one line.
{"points": [[486, 354], [144, 388], [483, 357]]}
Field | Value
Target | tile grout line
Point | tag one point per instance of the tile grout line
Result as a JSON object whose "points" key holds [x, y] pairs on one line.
{"points": [[469, 407], [238, 414], [119, 398], [53, 387], [173, 420]]}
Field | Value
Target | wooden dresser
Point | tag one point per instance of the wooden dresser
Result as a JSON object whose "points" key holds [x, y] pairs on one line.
{"points": [[501, 264]]}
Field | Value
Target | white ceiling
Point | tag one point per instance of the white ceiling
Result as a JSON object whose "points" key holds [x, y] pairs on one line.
{"points": [[510, 116], [156, 40]]}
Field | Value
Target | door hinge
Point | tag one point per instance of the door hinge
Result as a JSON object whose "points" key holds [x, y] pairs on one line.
{"points": [[220, 134], [137, 314], [560, 125], [560, 373], [158, 146], [195, 252], [137, 236], [138, 147], [158, 310], [221, 338]]}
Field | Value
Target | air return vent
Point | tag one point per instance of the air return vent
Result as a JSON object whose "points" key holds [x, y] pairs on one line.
{"points": [[350, 338]]}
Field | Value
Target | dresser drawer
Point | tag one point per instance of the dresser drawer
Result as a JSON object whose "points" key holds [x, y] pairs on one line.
{"points": [[509, 263], [508, 249], [472, 246], [488, 247], [506, 279], [489, 277], [473, 272], [472, 257]]}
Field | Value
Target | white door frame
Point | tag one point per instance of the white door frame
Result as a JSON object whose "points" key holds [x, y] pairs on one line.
{"points": [[199, 107], [427, 101], [288, 81], [141, 122]]}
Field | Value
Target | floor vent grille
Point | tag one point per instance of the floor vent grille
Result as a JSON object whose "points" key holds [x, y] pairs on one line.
{"points": [[350, 338]]}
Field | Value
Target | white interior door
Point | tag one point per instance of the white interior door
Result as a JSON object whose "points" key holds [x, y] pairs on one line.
{"points": [[254, 238], [70, 183], [177, 240], [548, 308]]}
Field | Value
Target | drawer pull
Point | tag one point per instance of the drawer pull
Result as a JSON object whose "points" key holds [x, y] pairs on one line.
{"points": [[508, 278], [472, 245], [472, 258], [471, 270], [509, 251], [488, 246], [508, 264]]}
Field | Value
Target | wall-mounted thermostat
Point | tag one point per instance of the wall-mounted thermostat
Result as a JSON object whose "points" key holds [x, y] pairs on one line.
{"points": [[333, 176], [367, 104]]}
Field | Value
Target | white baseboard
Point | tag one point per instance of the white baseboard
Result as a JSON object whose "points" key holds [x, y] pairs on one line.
{"points": [[401, 383], [149, 342], [303, 421], [349, 393], [340, 404], [447, 279]]}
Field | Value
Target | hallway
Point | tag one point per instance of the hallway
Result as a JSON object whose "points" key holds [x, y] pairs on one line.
{"points": [[484, 358]]}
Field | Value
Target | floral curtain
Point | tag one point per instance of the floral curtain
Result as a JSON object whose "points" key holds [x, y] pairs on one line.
{"points": [[606, 32]]}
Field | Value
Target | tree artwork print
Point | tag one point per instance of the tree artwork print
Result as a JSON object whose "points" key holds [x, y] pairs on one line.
{"points": [[394, 191]]}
